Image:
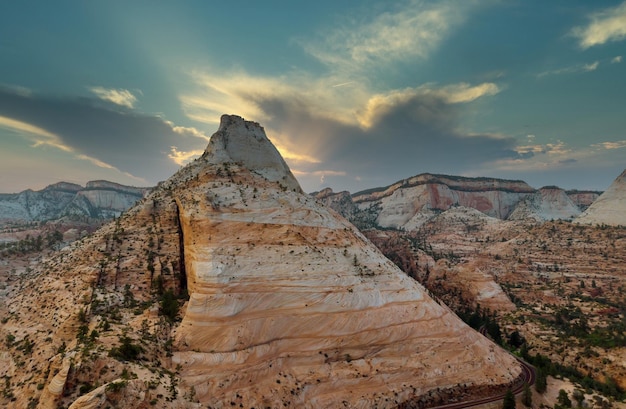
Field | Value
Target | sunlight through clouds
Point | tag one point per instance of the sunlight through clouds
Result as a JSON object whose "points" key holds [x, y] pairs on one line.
{"points": [[380, 104], [182, 158], [40, 137]]}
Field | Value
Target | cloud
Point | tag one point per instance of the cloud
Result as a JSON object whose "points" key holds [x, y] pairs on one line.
{"points": [[576, 68], [122, 97], [616, 60], [40, 137], [604, 26], [452, 94], [135, 144], [182, 158], [610, 145], [411, 30], [557, 158], [349, 134]]}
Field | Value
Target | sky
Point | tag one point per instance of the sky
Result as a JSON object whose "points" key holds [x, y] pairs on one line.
{"points": [[354, 94]]}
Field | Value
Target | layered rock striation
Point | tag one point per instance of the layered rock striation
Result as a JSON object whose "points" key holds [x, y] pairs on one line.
{"points": [[289, 304], [410, 203]]}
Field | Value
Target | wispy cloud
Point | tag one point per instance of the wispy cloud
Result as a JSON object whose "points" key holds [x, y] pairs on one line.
{"points": [[616, 60], [133, 143], [40, 137], [412, 30], [572, 69], [610, 145], [559, 156], [604, 26], [558, 148], [122, 97]]}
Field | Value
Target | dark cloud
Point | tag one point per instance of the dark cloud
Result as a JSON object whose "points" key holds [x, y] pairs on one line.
{"points": [[567, 161], [414, 136], [132, 142]]}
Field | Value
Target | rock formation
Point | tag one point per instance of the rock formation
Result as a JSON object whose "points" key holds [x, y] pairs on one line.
{"points": [[583, 198], [610, 207], [409, 203], [548, 203], [402, 201], [289, 304], [99, 199]]}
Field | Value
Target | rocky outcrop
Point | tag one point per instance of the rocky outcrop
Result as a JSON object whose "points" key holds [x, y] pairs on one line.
{"points": [[99, 199], [238, 141], [610, 207], [289, 304], [548, 203], [403, 204], [410, 203], [583, 198]]}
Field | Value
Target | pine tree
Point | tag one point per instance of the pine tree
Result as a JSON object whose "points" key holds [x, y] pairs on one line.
{"points": [[527, 396], [541, 383], [564, 400], [509, 400]]}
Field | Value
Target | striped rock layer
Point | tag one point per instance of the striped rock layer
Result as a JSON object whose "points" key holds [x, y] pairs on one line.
{"points": [[291, 305]]}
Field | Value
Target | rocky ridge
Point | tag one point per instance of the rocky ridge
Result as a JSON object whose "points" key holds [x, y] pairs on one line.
{"points": [[411, 202], [98, 199], [289, 305]]}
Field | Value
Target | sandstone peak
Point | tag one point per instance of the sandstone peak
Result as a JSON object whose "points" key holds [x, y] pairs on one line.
{"points": [[289, 305], [245, 142], [610, 207]]}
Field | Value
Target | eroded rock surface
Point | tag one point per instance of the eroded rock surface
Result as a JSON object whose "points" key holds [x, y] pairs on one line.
{"points": [[289, 304]]}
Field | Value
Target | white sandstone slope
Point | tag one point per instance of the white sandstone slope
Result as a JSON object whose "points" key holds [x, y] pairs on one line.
{"points": [[548, 203], [291, 305], [610, 207]]}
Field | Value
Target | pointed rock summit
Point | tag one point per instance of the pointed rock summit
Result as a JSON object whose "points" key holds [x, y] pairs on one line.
{"points": [[610, 207], [245, 143]]}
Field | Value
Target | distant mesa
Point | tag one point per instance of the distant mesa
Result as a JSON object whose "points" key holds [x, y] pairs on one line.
{"points": [[99, 199], [409, 203]]}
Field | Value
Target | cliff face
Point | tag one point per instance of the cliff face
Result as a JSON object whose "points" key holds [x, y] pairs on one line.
{"points": [[610, 207], [99, 199], [409, 203], [289, 305], [583, 198]]}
